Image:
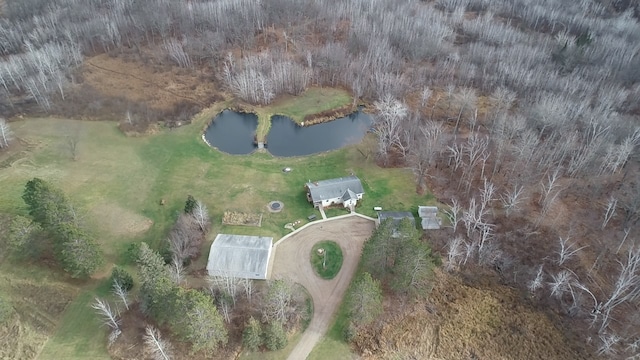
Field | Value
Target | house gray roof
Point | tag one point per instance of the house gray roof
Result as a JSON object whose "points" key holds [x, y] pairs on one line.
{"points": [[240, 256], [334, 188], [397, 216], [348, 195]]}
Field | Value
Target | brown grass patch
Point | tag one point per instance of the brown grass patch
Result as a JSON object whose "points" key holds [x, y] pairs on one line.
{"points": [[241, 218], [120, 221], [159, 87], [465, 322], [38, 308]]}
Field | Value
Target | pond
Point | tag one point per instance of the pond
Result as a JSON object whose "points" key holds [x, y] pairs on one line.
{"points": [[286, 138], [234, 132]]}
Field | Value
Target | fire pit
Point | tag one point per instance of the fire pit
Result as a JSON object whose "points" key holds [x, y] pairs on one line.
{"points": [[275, 206]]}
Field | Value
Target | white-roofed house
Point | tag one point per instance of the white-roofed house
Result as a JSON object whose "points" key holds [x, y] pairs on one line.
{"points": [[344, 191], [240, 256]]}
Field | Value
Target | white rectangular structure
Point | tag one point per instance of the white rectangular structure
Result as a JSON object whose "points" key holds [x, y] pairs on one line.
{"points": [[346, 191], [241, 256]]}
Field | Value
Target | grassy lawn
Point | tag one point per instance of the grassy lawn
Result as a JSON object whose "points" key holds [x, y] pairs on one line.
{"points": [[312, 101], [328, 263], [333, 345], [118, 182], [272, 355]]}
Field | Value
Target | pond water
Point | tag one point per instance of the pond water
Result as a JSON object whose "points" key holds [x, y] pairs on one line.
{"points": [[286, 138], [233, 133]]}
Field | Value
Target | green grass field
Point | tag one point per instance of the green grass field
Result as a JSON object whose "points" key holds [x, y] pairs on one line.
{"points": [[117, 182], [328, 264]]}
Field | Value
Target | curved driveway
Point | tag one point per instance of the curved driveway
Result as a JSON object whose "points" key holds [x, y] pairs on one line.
{"points": [[291, 260]]}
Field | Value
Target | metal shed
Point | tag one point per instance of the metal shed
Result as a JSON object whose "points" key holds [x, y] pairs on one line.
{"points": [[241, 256]]}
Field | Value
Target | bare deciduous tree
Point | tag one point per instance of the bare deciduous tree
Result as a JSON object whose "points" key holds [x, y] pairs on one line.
{"points": [[119, 291], [538, 281], [109, 317], [225, 283], [185, 237], [159, 348], [391, 113], [561, 283], [626, 287], [278, 301], [6, 135], [454, 253], [467, 98], [511, 199], [453, 213], [176, 270], [201, 216], [247, 285], [610, 211], [567, 250]]}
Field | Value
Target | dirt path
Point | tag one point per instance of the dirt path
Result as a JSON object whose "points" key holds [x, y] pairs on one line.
{"points": [[292, 260]]}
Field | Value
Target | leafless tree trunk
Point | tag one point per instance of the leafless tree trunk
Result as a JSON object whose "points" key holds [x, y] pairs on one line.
{"points": [[201, 216], [537, 282], [567, 250], [454, 214], [610, 211], [109, 318], [247, 285], [6, 135], [511, 199], [626, 288], [467, 98], [119, 291], [159, 348], [176, 270], [454, 252], [225, 283]]}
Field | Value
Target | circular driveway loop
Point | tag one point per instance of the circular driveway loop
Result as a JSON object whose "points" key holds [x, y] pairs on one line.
{"points": [[291, 260]]}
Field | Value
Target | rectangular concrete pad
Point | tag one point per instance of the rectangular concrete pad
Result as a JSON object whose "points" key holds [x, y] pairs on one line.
{"points": [[240, 256]]}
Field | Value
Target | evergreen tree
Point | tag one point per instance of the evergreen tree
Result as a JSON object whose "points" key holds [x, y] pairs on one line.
{"points": [[252, 335], [364, 300], [198, 321], [47, 205], [275, 338], [122, 277], [78, 253], [190, 205]]}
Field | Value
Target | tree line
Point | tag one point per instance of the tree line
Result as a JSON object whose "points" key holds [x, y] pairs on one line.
{"points": [[395, 261], [54, 224]]}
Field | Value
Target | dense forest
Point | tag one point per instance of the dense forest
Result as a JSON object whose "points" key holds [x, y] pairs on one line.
{"points": [[521, 115]]}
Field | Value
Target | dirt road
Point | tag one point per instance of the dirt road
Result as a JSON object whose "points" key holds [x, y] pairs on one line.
{"points": [[292, 260]]}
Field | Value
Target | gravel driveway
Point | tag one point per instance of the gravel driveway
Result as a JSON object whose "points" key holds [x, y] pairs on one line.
{"points": [[291, 260]]}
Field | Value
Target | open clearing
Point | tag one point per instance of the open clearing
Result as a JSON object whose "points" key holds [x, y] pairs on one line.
{"points": [[350, 233], [117, 182]]}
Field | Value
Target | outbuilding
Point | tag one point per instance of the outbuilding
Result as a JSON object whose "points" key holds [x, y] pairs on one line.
{"points": [[240, 256]]}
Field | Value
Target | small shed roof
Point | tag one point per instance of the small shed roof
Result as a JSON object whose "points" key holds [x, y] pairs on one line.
{"points": [[240, 256], [427, 211], [334, 188], [430, 223], [397, 216]]}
